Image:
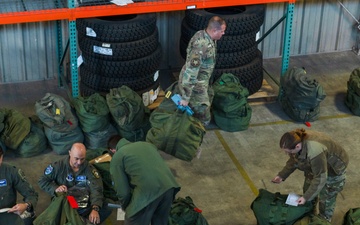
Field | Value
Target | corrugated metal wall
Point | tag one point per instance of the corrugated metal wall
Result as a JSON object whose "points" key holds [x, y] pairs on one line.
{"points": [[318, 27], [29, 51]]}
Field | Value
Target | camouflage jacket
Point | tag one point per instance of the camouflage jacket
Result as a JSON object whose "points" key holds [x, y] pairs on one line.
{"points": [[319, 158], [197, 70]]}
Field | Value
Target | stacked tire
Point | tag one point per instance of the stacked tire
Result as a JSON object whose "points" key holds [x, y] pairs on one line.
{"points": [[237, 50], [119, 50]]}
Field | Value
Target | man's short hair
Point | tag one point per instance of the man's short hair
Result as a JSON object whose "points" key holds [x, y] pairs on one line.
{"points": [[216, 22], [113, 140]]}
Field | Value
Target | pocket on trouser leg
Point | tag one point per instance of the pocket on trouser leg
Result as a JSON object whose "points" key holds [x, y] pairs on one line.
{"points": [[202, 112]]}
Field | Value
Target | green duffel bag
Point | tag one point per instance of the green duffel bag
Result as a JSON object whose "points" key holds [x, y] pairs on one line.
{"points": [[230, 107], [352, 217], [300, 114], [34, 143], [56, 113], [176, 133], [312, 220], [16, 128], [126, 108], [93, 112], [61, 142], [300, 95], [59, 212], [352, 100], [270, 209], [184, 212]]}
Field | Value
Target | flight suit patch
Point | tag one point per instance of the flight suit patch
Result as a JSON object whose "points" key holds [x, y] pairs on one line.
{"points": [[96, 174], [21, 174], [48, 170], [3, 183]]}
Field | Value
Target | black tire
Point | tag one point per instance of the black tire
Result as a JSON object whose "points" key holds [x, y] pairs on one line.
{"points": [[125, 69], [228, 60], [121, 28], [87, 91], [239, 19], [250, 75], [227, 43], [235, 59], [120, 51], [104, 84]]}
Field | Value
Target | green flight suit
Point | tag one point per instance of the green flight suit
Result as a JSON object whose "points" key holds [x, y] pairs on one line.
{"points": [[324, 163], [13, 181], [140, 175], [60, 173], [195, 75]]}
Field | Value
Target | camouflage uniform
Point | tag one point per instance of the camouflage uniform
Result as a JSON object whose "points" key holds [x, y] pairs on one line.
{"points": [[12, 180], [324, 164], [196, 73]]}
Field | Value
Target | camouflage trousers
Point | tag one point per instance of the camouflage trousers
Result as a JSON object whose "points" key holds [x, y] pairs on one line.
{"points": [[327, 195], [201, 105]]}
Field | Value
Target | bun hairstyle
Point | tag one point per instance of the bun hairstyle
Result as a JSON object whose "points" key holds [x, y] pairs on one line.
{"points": [[290, 139]]}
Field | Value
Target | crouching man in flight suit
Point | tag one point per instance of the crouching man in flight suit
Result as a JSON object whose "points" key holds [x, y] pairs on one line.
{"points": [[75, 176]]}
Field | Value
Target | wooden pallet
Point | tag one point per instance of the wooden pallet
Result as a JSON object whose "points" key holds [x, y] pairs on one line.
{"points": [[265, 94]]}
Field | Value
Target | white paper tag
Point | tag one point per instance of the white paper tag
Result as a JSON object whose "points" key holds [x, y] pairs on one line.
{"points": [[90, 32], [4, 210], [120, 214], [121, 2], [80, 60], [292, 199], [102, 51]]}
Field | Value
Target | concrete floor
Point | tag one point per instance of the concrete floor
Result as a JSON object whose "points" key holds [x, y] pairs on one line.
{"points": [[233, 166]]}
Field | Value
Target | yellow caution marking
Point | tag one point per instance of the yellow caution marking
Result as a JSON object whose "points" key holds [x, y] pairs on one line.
{"points": [[237, 164]]}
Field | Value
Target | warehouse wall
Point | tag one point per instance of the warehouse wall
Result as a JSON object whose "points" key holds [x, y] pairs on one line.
{"points": [[29, 51]]}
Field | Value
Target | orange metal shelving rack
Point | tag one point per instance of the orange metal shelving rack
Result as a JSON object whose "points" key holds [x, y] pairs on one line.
{"points": [[38, 14], [26, 11]]}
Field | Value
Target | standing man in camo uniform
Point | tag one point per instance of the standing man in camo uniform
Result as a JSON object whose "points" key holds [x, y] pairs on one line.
{"points": [[324, 163], [195, 75]]}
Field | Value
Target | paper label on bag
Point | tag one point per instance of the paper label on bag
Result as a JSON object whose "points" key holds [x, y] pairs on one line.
{"points": [[292, 199], [120, 214]]}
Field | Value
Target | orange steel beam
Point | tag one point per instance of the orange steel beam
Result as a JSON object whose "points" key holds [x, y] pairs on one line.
{"points": [[109, 10]]}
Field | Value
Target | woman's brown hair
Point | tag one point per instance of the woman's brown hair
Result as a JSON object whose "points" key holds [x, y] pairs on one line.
{"points": [[290, 139]]}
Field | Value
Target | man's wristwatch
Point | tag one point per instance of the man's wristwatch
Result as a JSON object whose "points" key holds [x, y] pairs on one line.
{"points": [[29, 206], [96, 208]]}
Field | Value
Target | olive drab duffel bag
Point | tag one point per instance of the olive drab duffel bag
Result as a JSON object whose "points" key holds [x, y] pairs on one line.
{"points": [[352, 217], [312, 220], [184, 212], [15, 127], [352, 100], [270, 209], [176, 133], [93, 112], [173, 131], [300, 95], [230, 108], [128, 111]]}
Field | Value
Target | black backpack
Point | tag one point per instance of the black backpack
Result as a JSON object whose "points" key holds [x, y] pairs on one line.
{"points": [[352, 100], [300, 95]]}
